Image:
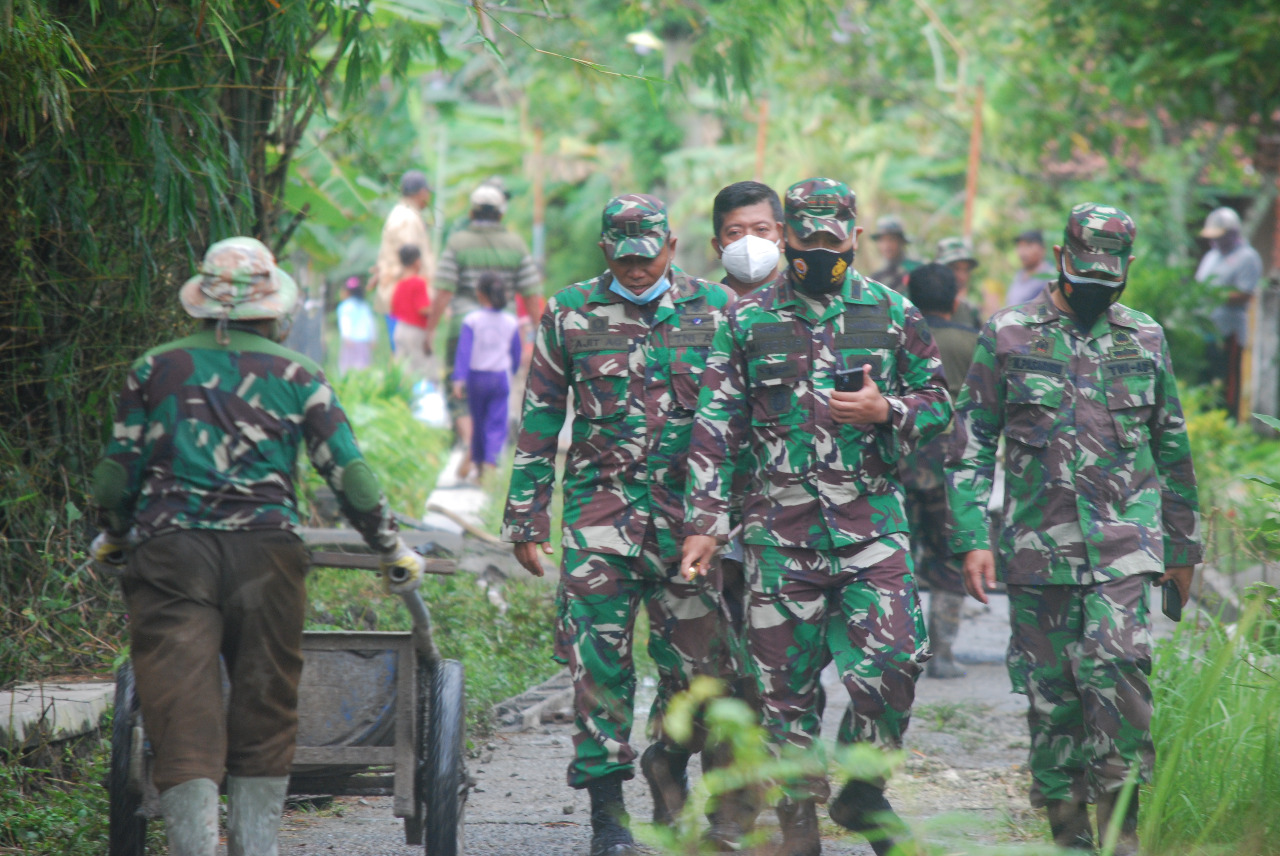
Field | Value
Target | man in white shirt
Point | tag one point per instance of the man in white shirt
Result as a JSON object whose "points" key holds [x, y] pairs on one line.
{"points": [[1234, 267], [404, 226]]}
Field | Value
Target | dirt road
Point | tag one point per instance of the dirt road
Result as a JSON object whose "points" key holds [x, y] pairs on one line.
{"points": [[962, 781]]}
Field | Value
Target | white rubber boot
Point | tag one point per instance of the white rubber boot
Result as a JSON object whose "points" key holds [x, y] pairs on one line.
{"points": [[191, 818], [254, 806]]}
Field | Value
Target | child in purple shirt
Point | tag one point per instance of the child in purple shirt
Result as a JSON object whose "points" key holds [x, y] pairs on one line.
{"points": [[488, 355]]}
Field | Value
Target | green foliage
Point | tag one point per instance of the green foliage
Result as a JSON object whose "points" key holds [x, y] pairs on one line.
{"points": [[53, 802], [1217, 734], [403, 453]]}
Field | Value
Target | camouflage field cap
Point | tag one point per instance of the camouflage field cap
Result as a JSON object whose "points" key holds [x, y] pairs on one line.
{"points": [[1099, 239], [821, 205], [239, 281], [954, 250], [634, 224], [890, 224]]}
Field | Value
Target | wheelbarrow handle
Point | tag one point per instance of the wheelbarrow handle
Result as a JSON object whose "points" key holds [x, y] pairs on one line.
{"points": [[370, 562]]}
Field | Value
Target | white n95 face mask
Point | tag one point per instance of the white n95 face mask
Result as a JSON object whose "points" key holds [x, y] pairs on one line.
{"points": [[751, 259]]}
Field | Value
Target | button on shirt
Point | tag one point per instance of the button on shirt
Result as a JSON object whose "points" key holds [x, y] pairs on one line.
{"points": [[766, 398], [1099, 482], [635, 372]]}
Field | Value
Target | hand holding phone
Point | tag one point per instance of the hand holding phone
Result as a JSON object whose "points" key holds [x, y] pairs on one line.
{"points": [[849, 380], [1171, 600]]}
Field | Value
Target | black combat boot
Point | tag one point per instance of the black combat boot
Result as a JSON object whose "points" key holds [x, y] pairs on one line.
{"points": [[1127, 843], [1069, 824], [862, 807], [799, 823], [666, 771], [734, 811], [609, 833]]}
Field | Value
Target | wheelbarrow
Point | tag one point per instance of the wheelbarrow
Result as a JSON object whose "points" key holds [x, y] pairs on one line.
{"points": [[379, 714]]}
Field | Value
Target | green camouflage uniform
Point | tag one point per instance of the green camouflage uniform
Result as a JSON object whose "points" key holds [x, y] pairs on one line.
{"points": [[894, 274], [825, 530], [635, 372], [922, 475], [478, 248], [206, 436], [1100, 497], [199, 473]]}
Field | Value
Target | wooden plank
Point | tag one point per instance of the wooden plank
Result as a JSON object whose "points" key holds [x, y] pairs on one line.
{"points": [[345, 756]]}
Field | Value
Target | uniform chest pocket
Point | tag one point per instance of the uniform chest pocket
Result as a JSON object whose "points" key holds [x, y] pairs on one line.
{"points": [[1031, 407], [1131, 399], [600, 386], [686, 384]]}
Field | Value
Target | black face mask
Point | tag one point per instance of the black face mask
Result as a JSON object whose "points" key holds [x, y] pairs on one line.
{"points": [[817, 272], [1087, 300]]}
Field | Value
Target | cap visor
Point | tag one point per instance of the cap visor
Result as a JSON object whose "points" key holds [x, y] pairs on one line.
{"points": [[1086, 263], [643, 246], [1212, 232]]}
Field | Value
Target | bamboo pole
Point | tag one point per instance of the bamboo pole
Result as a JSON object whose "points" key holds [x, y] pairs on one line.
{"points": [[975, 158]]}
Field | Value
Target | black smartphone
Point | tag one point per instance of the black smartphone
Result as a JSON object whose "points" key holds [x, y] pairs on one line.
{"points": [[1171, 601], [849, 380]]}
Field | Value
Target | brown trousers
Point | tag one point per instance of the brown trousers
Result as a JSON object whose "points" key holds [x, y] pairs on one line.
{"points": [[192, 597]]}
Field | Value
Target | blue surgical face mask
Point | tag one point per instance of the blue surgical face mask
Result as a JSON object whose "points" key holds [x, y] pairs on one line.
{"points": [[649, 295]]}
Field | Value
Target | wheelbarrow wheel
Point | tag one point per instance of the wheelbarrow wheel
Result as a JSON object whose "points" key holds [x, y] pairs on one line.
{"points": [[444, 765], [127, 829]]}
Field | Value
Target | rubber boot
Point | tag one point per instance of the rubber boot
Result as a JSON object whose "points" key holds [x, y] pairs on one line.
{"points": [[799, 823], [191, 817], [944, 625], [862, 807], [1069, 823], [254, 806], [1127, 843], [734, 812], [666, 771], [609, 833]]}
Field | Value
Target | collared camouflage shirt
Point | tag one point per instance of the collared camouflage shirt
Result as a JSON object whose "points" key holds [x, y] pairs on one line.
{"points": [[1098, 482], [206, 436], [635, 373], [766, 397]]}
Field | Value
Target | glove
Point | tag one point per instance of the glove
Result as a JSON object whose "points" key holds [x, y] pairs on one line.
{"points": [[107, 553], [402, 569]]}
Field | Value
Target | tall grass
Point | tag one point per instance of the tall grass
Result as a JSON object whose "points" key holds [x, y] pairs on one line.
{"points": [[1217, 734]]}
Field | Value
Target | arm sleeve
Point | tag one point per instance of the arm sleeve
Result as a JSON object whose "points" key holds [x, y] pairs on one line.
{"points": [[517, 350], [922, 410], [446, 278], [528, 512], [528, 278], [331, 446], [462, 361], [971, 453], [117, 479], [1180, 503], [721, 425]]}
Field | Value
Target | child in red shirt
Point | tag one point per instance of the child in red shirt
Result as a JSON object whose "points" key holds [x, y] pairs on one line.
{"points": [[410, 305]]}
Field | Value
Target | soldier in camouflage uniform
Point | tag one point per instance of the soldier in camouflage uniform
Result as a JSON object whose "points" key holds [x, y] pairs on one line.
{"points": [[1100, 500], [957, 254], [825, 531], [199, 478], [932, 288], [631, 345], [891, 242]]}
